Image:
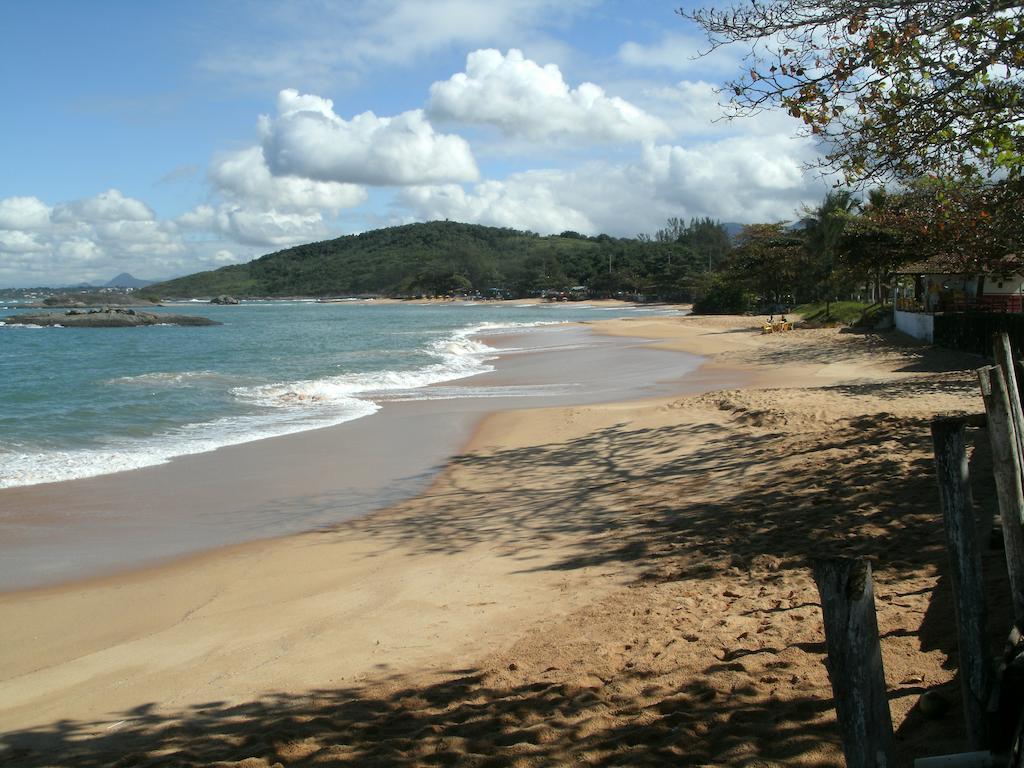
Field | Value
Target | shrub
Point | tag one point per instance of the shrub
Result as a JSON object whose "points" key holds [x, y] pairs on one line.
{"points": [[722, 296]]}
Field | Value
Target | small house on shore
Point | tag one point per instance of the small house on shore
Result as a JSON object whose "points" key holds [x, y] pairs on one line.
{"points": [[940, 286]]}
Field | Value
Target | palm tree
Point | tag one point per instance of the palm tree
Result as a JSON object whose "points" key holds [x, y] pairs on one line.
{"points": [[824, 228]]}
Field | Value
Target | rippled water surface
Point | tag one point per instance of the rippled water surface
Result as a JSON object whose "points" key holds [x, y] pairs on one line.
{"points": [[81, 402]]}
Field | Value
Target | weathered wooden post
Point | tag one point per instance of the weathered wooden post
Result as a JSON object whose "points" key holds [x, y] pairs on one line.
{"points": [[1009, 488], [855, 660], [965, 574], [1004, 359]]}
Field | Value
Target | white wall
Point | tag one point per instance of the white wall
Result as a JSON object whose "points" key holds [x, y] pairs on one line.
{"points": [[996, 285], [917, 324]]}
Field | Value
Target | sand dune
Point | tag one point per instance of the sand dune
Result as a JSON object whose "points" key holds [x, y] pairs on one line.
{"points": [[621, 584]]}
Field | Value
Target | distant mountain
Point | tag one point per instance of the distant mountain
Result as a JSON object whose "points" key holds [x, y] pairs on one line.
{"points": [[124, 280]]}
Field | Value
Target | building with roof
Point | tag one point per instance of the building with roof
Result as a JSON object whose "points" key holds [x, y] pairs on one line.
{"points": [[939, 285]]}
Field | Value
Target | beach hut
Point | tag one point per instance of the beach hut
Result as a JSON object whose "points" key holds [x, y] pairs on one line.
{"points": [[940, 286]]}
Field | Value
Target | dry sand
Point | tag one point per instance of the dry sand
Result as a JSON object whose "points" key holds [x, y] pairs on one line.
{"points": [[620, 584]]}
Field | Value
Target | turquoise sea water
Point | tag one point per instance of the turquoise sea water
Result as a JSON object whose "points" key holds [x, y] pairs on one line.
{"points": [[83, 402]]}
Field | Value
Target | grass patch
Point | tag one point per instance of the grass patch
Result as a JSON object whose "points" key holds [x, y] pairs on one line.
{"points": [[839, 313]]}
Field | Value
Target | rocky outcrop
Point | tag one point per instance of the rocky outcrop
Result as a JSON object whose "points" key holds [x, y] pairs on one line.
{"points": [[224, 299], [108, 317], [80, 300]]}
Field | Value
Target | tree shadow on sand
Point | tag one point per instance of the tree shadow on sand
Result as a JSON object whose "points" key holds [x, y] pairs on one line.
{"points": [[683, 497], [469, 719], [853, 345]]}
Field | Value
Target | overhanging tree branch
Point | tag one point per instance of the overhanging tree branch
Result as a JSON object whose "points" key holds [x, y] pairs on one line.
{"points": [[896, 88]]}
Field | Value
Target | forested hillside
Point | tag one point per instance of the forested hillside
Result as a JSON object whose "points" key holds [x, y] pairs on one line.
{"points": [[442, 257]]}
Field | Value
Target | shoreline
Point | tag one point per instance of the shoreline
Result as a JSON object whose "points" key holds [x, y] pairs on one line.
{"points": [[94, 518], [638, 565]]}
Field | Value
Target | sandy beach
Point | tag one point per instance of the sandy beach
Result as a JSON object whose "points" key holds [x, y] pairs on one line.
{"points": [[615, 583]]}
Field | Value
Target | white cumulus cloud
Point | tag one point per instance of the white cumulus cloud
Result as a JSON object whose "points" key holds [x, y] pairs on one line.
{"points": [[111, 205], [23, 213], [254, 226], [524, 99], [743, 179], [88, 239], [740, 179], [254, 207], [272, 227], [17, 241], [79, 249], [244, 176], [139, 237], [529, 200], [307, 139]]}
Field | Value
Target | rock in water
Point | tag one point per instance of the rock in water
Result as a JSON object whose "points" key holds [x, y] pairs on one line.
{"points": [[224, 299], [108, 317]]}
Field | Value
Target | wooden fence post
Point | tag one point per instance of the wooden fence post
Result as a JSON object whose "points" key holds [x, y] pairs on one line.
{"points": [[965, 573], [1006, 466], [1003, 353], [855, 660]]}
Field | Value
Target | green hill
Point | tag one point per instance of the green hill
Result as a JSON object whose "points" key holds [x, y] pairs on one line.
{"points": [[441, 257]]}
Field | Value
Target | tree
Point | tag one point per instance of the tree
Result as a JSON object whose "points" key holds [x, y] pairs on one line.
{"points": [[975, 223], [708, 240], [672, 232], [896, 89], [770, 260], [723, 295], [824, 228], [871, 246]]}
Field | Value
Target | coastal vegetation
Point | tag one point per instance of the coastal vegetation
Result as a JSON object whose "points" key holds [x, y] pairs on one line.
{"points": [[445, 257], [848, 247], [845, 249]]}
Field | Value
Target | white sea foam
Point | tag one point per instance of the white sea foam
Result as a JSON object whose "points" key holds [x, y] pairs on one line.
{"points": [[286, 408], [168, 378], [459, 356], [125, 454]]}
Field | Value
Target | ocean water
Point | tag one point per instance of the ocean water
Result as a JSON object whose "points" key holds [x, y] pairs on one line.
{"points": [[78, 402]]}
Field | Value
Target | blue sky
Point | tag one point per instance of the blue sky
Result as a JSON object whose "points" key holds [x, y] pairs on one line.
{"points": [[166, 138]]}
